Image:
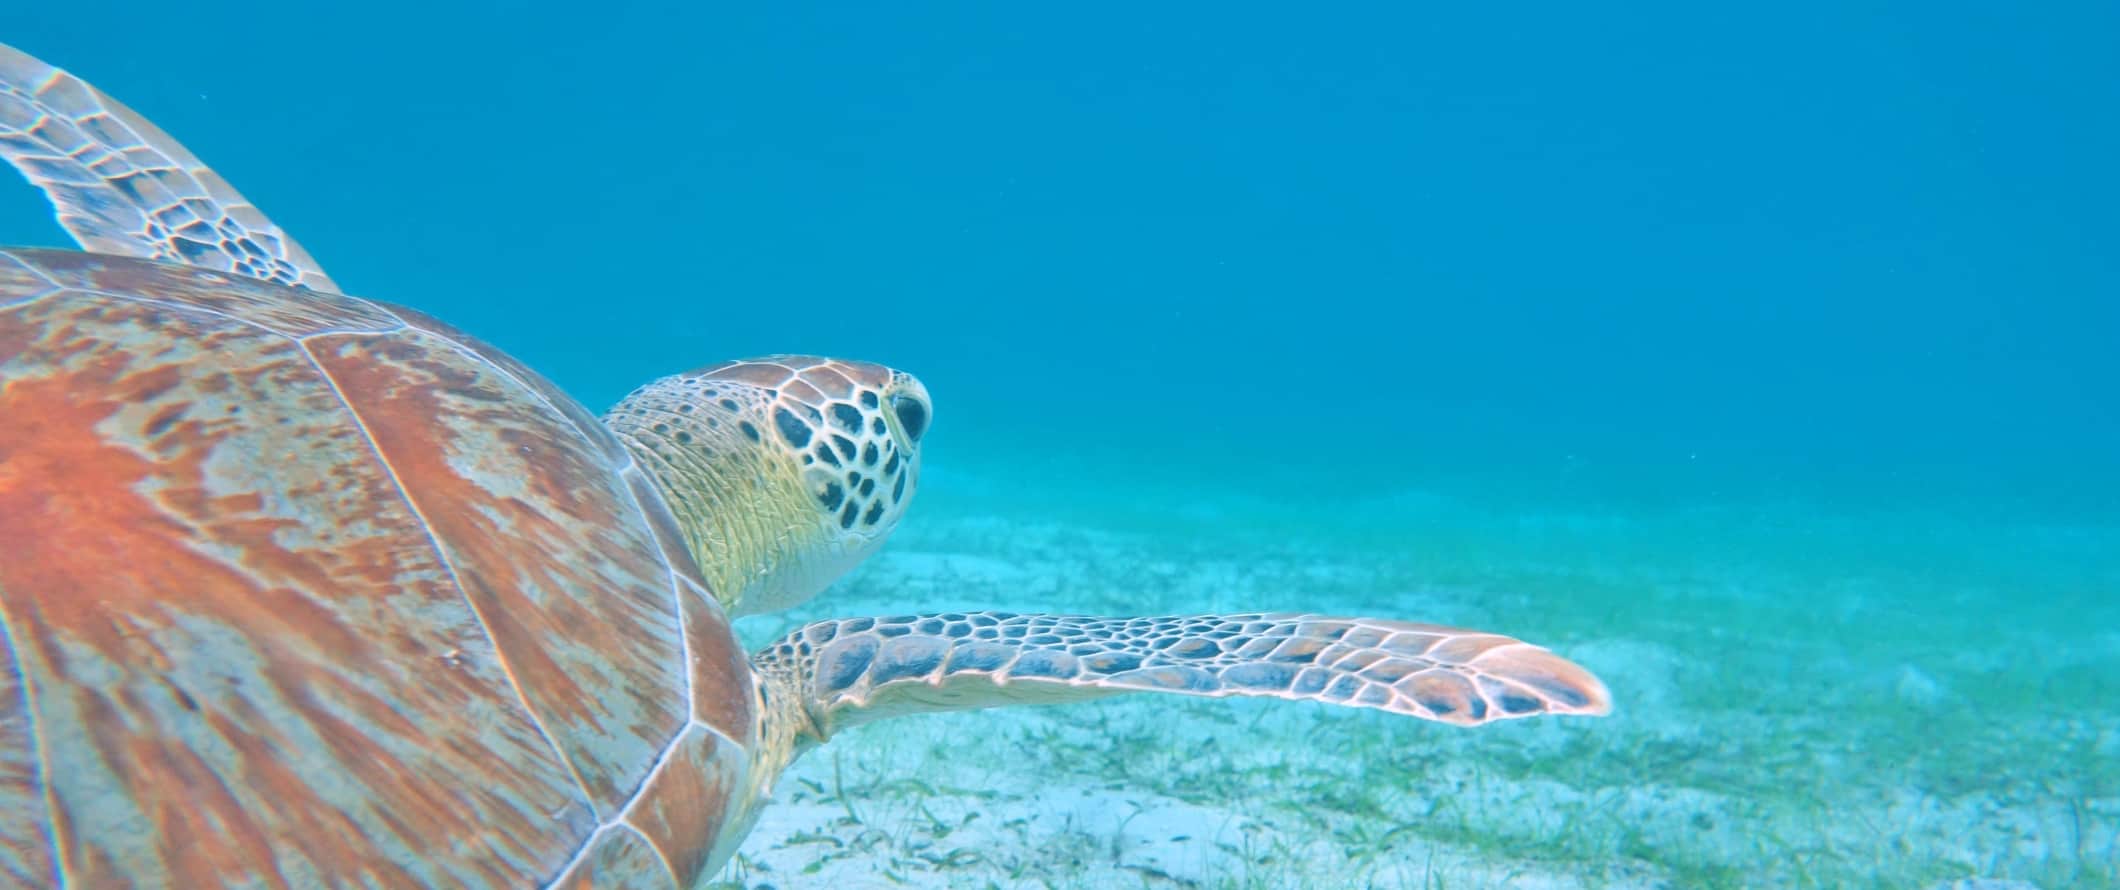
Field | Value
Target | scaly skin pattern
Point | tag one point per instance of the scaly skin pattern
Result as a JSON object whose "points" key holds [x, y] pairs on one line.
{"points": [[853, 670], [829, 675], [122, 187], [784, 471], [302, 590]]}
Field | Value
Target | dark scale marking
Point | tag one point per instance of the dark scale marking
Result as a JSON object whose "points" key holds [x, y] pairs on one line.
{"points": [[980, 658], [890, 467], [874, 515], [1365, 637], [857, 625], [894, 630], [1114, 662], [842, 666], [845, 446], [1444, 693], [876, 426], [729, 404], [833, 496], [792, 428], [1519, 704], [684, 438], [846, 516], [929, 626], [1387, 672], [906, 658], [868, 454], [1194, 647], [898, 490], [846, 417], [824, 453], [854, 478], [1343, 688], [869, 400], [749, 432], [1172, 677], [1411, 645], [1566, 694], [1355, 661], [1196, 680], [824, 633], [1050, 665], [868, 487]]}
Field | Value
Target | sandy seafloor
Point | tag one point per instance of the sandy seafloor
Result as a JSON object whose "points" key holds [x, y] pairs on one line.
{"points": [[1805, 698]]}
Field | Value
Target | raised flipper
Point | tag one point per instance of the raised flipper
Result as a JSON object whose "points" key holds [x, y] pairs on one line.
{"points": [[121, 186], [855, 670]]}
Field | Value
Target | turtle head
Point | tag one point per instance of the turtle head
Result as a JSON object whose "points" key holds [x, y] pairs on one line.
{"points": [[783, 472]]}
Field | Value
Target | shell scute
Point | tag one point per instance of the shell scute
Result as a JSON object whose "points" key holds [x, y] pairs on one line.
{"points": [[585, 424], [293, 589], [689, 798], [544, 538], [19, 283], [618, 858], [234, 626]]}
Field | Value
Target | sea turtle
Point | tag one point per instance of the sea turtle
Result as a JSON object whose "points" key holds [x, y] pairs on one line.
{"points": [[301, 589]]}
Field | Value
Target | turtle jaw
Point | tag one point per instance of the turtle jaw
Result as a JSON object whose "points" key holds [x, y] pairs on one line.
{"points": [[783, 472]]}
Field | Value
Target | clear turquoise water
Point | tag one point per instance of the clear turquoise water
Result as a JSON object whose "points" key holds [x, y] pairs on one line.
{"points": [[1777, 341]]}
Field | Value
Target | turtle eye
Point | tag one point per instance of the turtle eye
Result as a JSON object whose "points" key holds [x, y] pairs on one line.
{"points": [[912, 416]]}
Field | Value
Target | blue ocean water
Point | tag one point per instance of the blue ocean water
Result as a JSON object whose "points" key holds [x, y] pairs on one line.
{"points": [[1835, 247], [1817, 300]]}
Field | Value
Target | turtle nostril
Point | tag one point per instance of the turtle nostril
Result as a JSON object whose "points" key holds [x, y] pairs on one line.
{"points": [[912, 415]]}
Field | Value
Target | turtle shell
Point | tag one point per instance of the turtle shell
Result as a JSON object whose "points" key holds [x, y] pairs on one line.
{"points": [[299, 589]]}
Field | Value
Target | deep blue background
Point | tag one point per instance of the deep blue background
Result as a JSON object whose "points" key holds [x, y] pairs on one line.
{"points": [[1836, 248]]}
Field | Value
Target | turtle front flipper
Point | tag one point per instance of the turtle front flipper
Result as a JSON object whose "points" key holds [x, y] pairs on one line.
{"points": [[123, 187], [854, 670]]}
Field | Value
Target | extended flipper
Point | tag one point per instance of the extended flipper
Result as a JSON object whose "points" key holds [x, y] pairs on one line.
{"points": [[123, 187], [854, 670]]}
